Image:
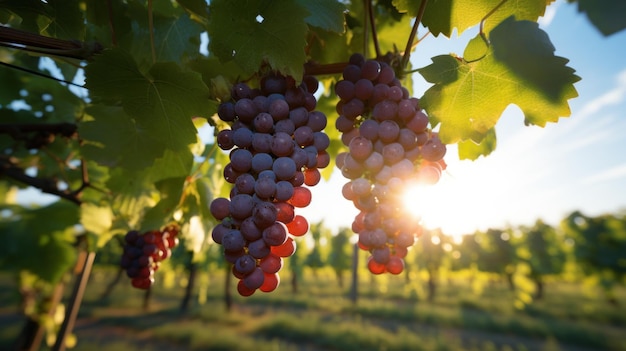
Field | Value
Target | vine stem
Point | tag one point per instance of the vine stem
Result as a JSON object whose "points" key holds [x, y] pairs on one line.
{"points": [[370, 14], [110, 10], [409, 42], [43, 75], [22, 40], [484, 19]]}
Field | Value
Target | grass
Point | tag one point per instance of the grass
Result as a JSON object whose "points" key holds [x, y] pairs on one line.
{"points": [[391, 314]]}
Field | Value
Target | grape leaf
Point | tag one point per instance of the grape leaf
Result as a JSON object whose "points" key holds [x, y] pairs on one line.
{"points": [[325, 14], [606, 15], [40, 240], [175, 37], [158, 106], [112, 138], [520, 68], [171, 190], [97, 220], [197, 7], [443, 16], [469, 150], [67, 19], [261, 31]]}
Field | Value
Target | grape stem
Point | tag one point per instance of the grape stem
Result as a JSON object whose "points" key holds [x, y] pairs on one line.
{"points": [[370, 14], [110, 10], [409, 42], [316, 69]]}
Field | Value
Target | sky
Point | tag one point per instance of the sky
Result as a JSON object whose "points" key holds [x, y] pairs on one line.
{"points": [[535, 173]]}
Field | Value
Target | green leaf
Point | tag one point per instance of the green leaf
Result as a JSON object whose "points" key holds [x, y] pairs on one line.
{"points": [[196, 7], [606, 15], [97, 220], [469, 150], [261, 31], [325, 14], [159, 105], [171, 190], [175, 37], [112, 138], [521, 69], [67, 19], [443, 16], [40, 240]]}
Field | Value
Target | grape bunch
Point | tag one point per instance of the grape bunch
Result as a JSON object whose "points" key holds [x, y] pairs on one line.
{"points": [[389, 147], [277, 144], [144, 252]]}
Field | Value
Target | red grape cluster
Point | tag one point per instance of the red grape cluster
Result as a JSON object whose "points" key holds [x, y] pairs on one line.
{"points": [[278, 144], [144, 252], [390, 146]]}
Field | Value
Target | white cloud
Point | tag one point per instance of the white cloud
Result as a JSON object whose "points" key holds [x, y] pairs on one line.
{"points": [[545, 20], [607, 175]]}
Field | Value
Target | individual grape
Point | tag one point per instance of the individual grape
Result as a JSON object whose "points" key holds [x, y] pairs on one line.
{"points": [[312, 177], [284, 190], [299, 117], [241, 206], [263, 123], [262, 143], [303, 136], [433, 150], [360, 148], [388, 131], [395, 265], [282, 144], [225, 139], [244, 185], [249, 229], [284, 168], [245, 264], [301, 197], [258, 248], [243, 290], [275, 234], [375, 267], [255, 279], [285, 212], [279, 109], [270, 282], [226, 112], [241, 160], [243, 137], [363, 89], [265, 188], [264, 214], [233, 241], [286, 249], [298, 226], [344, 89], [271, 263], [370, 70], [245, 110], [317, 121], [285, 126]]}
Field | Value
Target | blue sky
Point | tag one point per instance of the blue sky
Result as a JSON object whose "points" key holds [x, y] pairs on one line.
{"points": [[578, 163]]}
